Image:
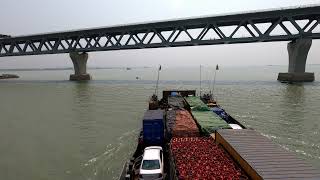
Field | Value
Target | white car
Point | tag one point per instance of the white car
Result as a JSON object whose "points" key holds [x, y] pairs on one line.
{"points": [[152, 163]]}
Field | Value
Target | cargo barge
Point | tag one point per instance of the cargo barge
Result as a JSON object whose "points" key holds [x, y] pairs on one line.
{"points": [[194, 138]]}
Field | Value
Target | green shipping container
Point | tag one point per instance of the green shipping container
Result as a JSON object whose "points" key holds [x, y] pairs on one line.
{"points": [[196, 104], [209, 122]]}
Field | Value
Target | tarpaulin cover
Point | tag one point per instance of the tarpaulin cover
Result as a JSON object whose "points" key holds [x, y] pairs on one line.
{"points": [[170, 122], [176, 102], [196, 104], [209, 122], [153, 114], [217, 110]]}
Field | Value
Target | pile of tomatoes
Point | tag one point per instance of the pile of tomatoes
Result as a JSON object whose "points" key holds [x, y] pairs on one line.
{"points": [[200, 158]]}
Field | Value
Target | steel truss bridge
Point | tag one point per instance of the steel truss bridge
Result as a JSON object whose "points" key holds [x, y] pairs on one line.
{"points": [[264, 26]]}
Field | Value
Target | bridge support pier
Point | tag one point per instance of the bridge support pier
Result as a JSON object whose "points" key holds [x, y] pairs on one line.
{"points": [[79, 61], [298, 51]]}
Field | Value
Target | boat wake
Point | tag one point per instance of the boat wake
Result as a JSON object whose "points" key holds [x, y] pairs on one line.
{"points": [[108, 164]]}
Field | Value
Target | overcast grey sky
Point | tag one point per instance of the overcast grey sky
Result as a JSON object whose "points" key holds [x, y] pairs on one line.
{"points": [[38, 16]]}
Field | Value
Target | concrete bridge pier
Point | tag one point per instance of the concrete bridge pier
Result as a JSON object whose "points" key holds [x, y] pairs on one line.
{"points": [[80, 66], [298, 51]]}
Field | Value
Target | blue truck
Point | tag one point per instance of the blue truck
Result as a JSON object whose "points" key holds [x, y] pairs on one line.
{"points": [[153, 127]]}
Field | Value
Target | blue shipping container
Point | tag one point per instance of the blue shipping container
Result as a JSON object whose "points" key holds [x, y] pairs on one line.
{"points": [[153, 127]]}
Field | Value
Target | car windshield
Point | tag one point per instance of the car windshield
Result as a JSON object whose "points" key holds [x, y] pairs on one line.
{"points": [[150, 164]]}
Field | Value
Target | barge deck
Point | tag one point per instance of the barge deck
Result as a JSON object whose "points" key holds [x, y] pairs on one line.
{"points": [[188, 120]]}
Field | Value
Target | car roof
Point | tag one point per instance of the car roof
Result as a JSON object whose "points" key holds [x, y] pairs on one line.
{"points": [[151, 153]]}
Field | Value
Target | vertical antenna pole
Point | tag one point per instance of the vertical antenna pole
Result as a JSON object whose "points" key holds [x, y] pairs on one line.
{"points": [[200, 80], [211, 83], [215, 74], [156, 90]]}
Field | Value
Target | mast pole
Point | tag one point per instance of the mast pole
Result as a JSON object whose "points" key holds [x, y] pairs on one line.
{"points": [[200, 80], [214, 80], [157, 85], [211, 83]]}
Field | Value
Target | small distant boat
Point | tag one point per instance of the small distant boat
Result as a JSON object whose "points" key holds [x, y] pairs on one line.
{"points": [[8, 76], [128, 68]]}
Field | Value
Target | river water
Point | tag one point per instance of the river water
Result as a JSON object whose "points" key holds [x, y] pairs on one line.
{"points": [[53, 129]]}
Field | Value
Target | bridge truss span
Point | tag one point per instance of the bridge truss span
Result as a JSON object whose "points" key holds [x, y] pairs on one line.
{"points": [[266, 26]]}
